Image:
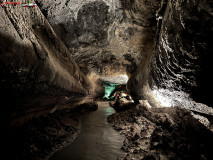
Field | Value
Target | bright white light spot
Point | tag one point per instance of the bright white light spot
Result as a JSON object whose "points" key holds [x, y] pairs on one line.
{"points": [[170, 98], [162, 98]]}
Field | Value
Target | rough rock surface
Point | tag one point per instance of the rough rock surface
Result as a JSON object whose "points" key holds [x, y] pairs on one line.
{"points": [[183, 53], [40, 137], [104, 37], [163, 133], [37, 70], [163, 46], [179, 58]]}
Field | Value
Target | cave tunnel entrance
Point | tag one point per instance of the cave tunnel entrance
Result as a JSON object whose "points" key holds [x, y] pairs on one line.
{"points": [[112, 84], [115, 89], [109, 89]]}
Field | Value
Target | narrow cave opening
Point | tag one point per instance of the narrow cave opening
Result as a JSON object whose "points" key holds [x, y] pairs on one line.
{"points": [[109, 89], [113, 85]]}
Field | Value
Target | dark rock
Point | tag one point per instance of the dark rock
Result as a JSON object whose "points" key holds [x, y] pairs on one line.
{"points": [[37, 70], [92, 29], [184, 48], [48, 58], [168, 133], [178, 57], [85, 107], [40, 137], [118, 106]]}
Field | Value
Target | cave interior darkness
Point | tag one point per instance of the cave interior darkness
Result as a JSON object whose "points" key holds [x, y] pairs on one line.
{"points": [[59, 58]]}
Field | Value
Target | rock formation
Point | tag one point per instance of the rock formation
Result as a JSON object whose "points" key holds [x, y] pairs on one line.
{"points": [[166, 42], [162, 133], [37, 70], [183, 51], [104, 37], [179, 58], [57, 55]]}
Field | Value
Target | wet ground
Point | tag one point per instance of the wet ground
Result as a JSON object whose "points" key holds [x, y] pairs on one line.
{"points": [[97, 139]]}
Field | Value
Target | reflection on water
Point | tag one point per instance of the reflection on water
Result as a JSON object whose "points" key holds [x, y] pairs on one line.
{"points": [[97, 140], [109, 111]]}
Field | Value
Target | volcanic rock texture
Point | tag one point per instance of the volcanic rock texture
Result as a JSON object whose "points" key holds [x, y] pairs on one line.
{"points": [[164, 47], [184, 49], [180, 66], [104, 37], [163, 133], [157, 44], [40, 137], [37, 70]]}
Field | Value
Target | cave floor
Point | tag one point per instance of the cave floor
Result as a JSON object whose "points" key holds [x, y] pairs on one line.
{"points": [[97, 139]]}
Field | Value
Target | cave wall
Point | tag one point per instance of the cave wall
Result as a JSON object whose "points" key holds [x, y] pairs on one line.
{"points": [[103, 36], [162, 44], [158, 44], [145, 13], [182, 59], [37, 70], [180, 62]]}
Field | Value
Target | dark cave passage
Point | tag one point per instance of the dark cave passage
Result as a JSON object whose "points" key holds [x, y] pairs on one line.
{"points": [[150, 60]]}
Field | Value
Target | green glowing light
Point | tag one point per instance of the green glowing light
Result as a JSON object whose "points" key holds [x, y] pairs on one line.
{"points": [[109, 88]]}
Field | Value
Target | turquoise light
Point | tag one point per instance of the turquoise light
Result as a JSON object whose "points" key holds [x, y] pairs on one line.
{"points": [[109, 88]]}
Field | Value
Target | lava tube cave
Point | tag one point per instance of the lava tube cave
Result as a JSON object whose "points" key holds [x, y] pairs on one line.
{"points": [[106, 79]]}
